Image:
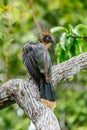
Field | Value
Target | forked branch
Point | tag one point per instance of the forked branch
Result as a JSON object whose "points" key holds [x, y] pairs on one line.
{"points": [[26, 93]]}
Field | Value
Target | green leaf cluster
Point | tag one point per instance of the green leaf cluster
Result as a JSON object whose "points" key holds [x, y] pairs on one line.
{"points": [[72, 41]]}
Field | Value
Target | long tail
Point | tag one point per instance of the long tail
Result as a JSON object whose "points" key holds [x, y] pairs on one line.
{"points": [[47, 93]]}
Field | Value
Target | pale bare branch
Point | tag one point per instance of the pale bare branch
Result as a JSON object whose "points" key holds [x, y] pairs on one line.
{"points": [[26, 93]]}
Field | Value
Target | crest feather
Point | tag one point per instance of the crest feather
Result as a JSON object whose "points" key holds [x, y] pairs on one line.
{"points": [[46, 33]]}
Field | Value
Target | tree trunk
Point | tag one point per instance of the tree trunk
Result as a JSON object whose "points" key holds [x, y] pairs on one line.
{"points": [[26, 93]]}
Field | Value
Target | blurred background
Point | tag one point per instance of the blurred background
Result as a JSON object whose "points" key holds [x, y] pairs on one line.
{"points": [[67, 20]]}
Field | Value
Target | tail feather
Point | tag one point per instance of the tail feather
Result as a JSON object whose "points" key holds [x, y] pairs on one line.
{"points": [[47, 94]]}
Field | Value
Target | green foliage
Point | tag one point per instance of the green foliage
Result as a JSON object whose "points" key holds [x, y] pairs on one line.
{"points": [[13, 118], [68, 22], [71, 41], [71, 108]]}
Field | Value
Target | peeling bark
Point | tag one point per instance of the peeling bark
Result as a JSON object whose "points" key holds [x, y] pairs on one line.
{"points": [[26, 93]]}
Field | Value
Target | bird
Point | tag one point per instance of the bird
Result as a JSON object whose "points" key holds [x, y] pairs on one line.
{"points": [[37, 61]]}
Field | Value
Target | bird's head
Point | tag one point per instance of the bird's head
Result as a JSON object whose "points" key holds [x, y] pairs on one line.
{"points": [[47, 39]]}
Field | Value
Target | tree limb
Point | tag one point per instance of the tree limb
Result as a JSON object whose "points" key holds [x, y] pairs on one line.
{"points": [[26, 93], [69, 68]]}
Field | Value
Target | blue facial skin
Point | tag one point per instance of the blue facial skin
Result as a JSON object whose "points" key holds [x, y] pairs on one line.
{"points": [[48, 39]]}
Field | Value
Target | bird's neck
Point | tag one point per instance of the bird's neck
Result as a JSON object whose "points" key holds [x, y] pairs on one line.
{"points": [[47, 44]]}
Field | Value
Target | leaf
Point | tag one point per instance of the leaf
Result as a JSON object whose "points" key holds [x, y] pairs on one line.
{"points": [[63, 40], [58, 29], [80, 30], [70, 27]]}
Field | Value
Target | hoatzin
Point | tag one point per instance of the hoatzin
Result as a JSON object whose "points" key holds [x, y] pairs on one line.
{"points": [[36, 59]]}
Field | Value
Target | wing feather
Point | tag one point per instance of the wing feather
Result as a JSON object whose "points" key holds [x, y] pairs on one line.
{"points": [[43, 60], [30, 62], [36, 59]]}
